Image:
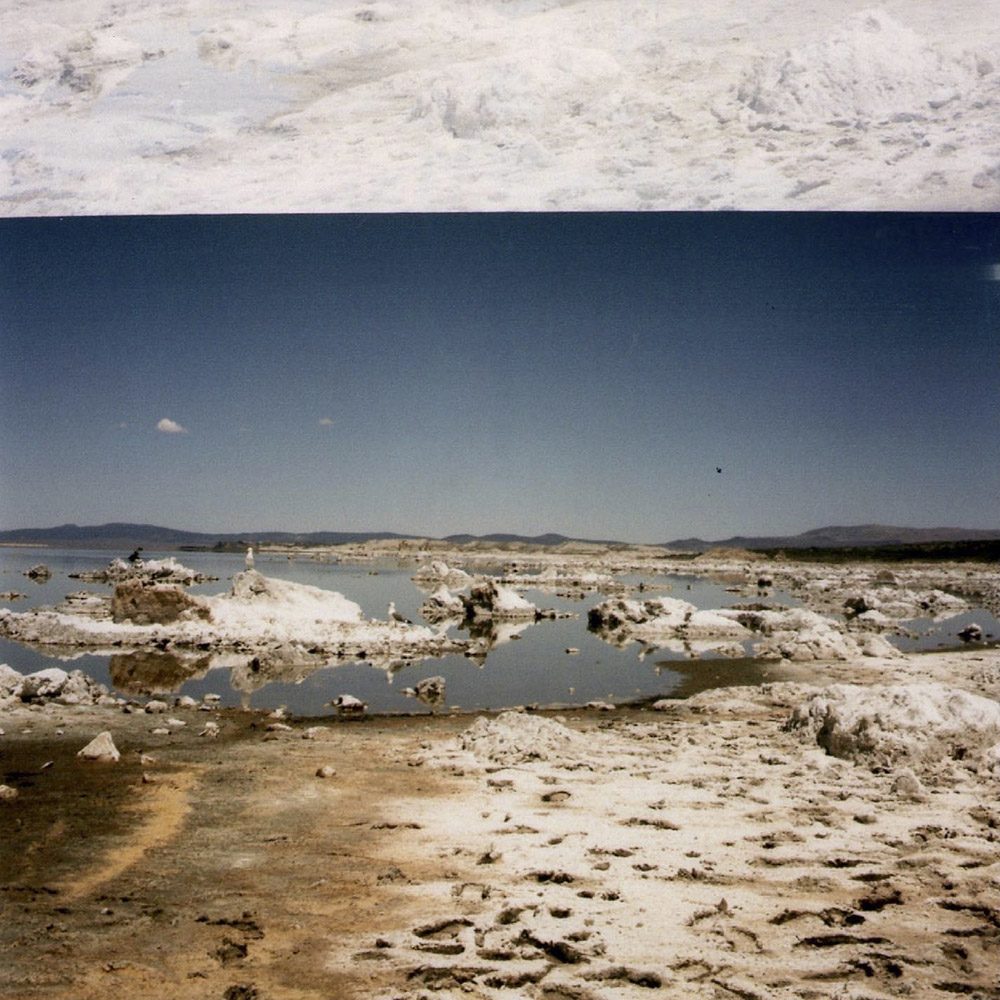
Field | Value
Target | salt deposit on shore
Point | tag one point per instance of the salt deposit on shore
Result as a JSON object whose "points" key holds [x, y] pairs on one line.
{"points": [[573, 105], [757, 842], [829, 836]]}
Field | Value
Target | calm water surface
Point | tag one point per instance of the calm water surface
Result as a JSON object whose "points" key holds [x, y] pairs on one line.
{"points": [[533, 668]]}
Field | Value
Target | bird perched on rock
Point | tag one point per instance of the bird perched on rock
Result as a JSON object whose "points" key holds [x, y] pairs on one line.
{"points": [[248, 562], [395, 618]]}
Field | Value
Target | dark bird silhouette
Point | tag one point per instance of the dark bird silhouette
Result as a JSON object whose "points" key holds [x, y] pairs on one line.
{"points": [[717, 469]]}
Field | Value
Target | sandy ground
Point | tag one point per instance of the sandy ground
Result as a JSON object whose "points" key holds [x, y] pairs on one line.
{"points": [[704, 851]]}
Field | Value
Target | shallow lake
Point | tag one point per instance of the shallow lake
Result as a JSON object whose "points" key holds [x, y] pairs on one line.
{"points": [[532, 668]]}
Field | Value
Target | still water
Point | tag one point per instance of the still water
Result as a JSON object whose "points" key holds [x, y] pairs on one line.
{"points": [[533, 668]]}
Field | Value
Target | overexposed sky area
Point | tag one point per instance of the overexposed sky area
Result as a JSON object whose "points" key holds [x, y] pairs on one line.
{"points": [[579, 373]]}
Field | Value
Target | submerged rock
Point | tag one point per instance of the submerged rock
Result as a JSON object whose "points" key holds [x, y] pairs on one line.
{"points": [[41, 573], [349, 707], [971, 633], [430, 691]]}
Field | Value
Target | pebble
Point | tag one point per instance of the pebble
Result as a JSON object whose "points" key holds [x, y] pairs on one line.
{"points": [[7, 794], [325, 771], [154, 707]]}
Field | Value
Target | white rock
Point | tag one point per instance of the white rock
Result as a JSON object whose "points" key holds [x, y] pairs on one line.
{"points": [[101, 747], [920, 723], [154, 707], [906, 785], [10, 682], [515, 737], [347, 704], [7, 794], [325, 771], [879, 645], [43, 684], [491, 600]]}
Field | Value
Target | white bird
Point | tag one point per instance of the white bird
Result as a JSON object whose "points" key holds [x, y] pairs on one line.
{"points": [[395, 618], [249, 559]]}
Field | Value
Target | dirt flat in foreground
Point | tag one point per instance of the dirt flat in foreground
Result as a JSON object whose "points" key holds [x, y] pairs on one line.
{"points": [[706, 851]]}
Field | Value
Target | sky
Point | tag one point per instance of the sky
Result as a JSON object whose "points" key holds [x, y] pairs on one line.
{"points": [[433, 374]]}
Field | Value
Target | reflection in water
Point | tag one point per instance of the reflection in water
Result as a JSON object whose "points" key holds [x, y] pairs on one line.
{"points": [[145, 672], [704, 675]]}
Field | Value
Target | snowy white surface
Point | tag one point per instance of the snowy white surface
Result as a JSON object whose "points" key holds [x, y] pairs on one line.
{"points": [[170, 106]]}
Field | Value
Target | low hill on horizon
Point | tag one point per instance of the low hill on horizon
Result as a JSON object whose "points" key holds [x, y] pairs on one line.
{"points": [[124, 535], [836, 537]]}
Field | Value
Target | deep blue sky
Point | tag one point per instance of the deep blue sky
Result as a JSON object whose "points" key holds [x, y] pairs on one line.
{"points": [[443, 373]]}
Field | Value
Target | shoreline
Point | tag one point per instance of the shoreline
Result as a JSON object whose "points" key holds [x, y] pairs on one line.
{"points": [[821, 824], [707, 850]]}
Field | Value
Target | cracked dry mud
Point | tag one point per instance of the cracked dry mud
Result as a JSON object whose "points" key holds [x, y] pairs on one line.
{"points": [[704, 852]]}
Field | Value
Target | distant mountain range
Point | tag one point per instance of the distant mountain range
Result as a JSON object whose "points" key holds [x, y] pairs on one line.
{"points": [[119, 535], [850, 536], [127, 536]]}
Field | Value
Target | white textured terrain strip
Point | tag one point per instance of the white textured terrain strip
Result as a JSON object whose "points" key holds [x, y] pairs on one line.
{"points": [[168, 106]]}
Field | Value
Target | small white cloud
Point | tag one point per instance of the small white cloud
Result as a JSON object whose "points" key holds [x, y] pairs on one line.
{"points": [[326, 422], [168, 426]]}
